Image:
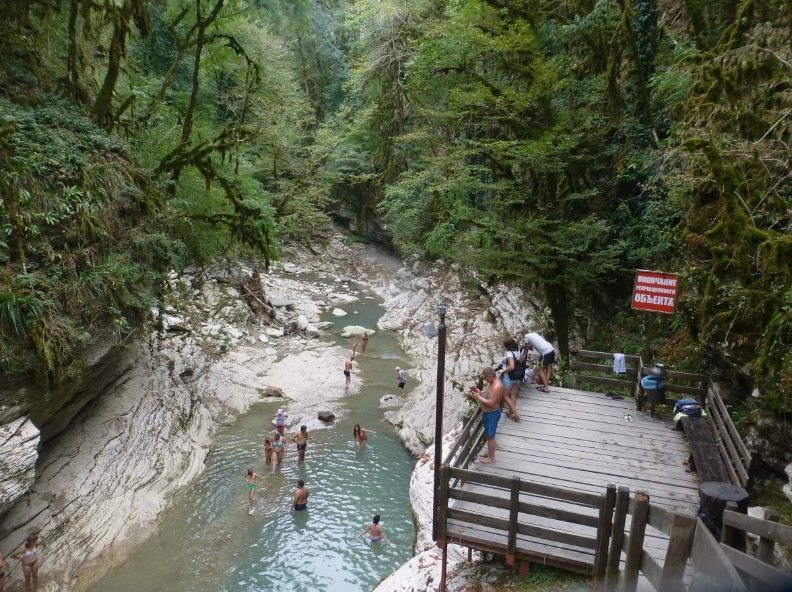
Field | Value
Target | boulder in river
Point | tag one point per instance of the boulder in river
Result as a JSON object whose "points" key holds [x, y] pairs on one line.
{"points": [[389, 401], [273, 391], [337, 312], [326, 416], [355, 330]]}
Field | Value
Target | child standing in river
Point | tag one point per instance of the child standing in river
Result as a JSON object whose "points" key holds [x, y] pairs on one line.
{"points": [[268, 450]]}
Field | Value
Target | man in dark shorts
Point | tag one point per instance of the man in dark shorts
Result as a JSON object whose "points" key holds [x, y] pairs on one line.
{"points": [[301, 439], [300, 501], [489, 400], [348, 372], [535, 342]]}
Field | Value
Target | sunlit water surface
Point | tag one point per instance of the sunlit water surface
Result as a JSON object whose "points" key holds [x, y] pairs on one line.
{"points": [[209, 542]]}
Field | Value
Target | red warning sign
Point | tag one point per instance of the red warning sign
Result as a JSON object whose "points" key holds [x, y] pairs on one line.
{"points": [[655, 291]]}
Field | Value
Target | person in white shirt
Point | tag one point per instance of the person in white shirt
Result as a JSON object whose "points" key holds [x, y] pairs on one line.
{"points": [[534, 341]]}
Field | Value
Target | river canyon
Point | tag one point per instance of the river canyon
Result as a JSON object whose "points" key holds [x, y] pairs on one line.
{"points": [[160, 449]]}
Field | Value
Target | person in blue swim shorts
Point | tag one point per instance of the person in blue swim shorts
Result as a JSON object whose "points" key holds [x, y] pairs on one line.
{"points": [[489, 401]]}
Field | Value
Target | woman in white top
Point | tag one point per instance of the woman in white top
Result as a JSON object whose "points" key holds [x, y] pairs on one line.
{"points": [[534, 341], [510, 385]]}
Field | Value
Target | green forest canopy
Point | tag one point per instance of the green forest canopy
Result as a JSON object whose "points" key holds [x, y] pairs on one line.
{"points": [[556, 145]]}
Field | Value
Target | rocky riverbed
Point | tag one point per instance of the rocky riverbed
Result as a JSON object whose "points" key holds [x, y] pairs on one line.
{"points": [[102, 480]]}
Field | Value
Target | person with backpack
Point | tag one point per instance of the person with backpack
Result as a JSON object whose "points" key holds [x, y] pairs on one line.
{"points": [[513, 371]]}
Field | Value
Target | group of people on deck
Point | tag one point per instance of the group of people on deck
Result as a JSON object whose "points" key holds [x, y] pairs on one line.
{"points": [[502, 384]]}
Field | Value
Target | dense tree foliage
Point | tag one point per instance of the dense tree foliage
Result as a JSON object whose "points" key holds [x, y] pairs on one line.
{"points": [[557, 145], [563, 145]]}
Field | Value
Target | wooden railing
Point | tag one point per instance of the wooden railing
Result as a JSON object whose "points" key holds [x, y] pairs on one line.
{"points": [[504, 493], [693, 555], [758, 569], [734, 452], [589, 368], [464, 450]]}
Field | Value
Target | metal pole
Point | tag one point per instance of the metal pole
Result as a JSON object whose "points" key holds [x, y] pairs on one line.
{"points": [[438, 448]]}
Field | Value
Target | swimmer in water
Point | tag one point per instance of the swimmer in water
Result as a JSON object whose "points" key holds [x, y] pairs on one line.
{"points": [[376, 534], [361, 435], [301, 439]]}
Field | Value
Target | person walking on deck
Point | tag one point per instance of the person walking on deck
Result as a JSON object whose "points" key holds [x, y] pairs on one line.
{"points": [[490, 402], [535, 342]]}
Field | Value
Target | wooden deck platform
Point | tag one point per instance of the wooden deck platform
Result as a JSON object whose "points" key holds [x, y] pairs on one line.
{"points": [[583, 441]]}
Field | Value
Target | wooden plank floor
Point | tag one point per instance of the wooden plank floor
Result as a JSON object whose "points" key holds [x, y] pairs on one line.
{"points": [[584, 441]]}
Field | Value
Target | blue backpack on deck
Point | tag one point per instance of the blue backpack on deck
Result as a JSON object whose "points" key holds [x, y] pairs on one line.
{"points": [[689, 407]]}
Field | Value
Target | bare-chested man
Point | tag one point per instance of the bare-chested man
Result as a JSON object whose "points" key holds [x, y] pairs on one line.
{"points": [[300, 501], [301, 439], [348, 372], [490, 402]]}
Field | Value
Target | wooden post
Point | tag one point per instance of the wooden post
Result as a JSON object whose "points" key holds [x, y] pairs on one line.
{"points": [[632, 564], [617, 538], [766, 550], [442, 507], [443, 569], [514, 512], [714, 496], [525, 569], [679, 544], [604, 529], [731, 536]]}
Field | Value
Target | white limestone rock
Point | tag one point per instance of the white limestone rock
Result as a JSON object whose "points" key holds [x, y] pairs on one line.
{"points": [[337, 312], [233, 332], [336, 298], [788, 487], [19, 440], [355, 330], [273, 332], [302, 322], [389, 401]]}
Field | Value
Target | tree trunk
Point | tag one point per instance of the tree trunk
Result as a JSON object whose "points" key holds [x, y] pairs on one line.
{"points": [[557, 300], [101, 111]]}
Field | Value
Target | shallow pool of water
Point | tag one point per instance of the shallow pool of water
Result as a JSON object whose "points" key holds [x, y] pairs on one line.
{"points": [[209, 542]]}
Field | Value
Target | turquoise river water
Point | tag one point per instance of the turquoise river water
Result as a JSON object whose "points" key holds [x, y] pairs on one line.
{"points": [[208, 542]]}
